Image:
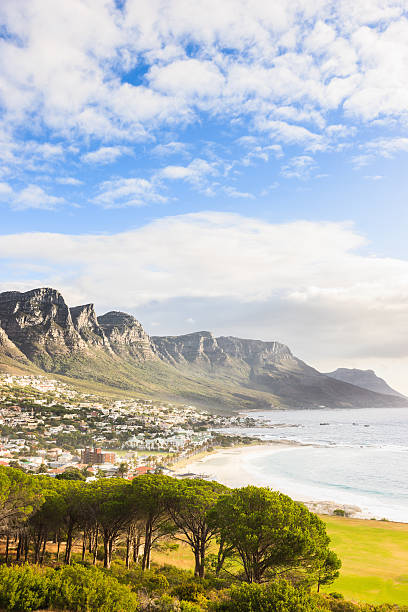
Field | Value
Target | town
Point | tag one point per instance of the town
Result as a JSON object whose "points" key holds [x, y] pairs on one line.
{"points": [[49, 428]]}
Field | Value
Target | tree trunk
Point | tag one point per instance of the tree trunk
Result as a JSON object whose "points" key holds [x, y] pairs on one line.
{"points": [[7, 549], [110, 548], [147, 547], [58, 546], [19, 548], [37, 548], [95, 547], [26, 548], [106, 551], [68, 546], [128, 548], [83, 546], [222, 551], [43, 549], [197, 563], [136, 548]]}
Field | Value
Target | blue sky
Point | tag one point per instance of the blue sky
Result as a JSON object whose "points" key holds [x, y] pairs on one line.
{"points": [[239, 167]]}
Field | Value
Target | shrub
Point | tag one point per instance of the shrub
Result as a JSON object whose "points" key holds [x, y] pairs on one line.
{"points": [[188, 606], [80, 589], [23, 588], [75, 588], [157, 583], [189, 591], [277, 596]]}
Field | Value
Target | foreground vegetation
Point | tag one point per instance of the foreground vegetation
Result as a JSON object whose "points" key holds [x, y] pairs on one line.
{"points": [[92, 543]]}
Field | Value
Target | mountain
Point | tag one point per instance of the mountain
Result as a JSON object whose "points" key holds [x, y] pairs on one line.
{"points": [[367, 379], [39, 331]]}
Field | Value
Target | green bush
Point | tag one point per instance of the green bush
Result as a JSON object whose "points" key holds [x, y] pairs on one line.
{"points": [[89, 589], [189, 591], [188, 606], [157, 583], [278, 596], [76, 588], [23, 588]]}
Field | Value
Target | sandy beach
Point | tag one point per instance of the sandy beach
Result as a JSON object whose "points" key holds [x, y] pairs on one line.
{"points": [[231, 467]]}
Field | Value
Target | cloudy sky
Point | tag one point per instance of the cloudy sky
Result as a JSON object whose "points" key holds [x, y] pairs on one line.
{"points": [[238, 166]]}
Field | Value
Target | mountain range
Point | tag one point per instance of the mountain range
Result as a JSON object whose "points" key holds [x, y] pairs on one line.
{"points": [[40, 333]]}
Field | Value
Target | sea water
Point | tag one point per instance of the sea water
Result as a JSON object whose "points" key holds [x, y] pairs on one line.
{"points": [[357, 457]]}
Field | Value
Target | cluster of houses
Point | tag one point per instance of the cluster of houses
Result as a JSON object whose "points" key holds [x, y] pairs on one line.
{"points": [[46, 427]]}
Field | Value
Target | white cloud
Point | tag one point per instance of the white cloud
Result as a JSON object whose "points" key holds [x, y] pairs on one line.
{"points": [[170, 148], [68, 180], [195, 173], [32, 196], [300, 167], [5, 189], [283, 66], [232, 192], [380, 147], [105, 155], [119, 193]]}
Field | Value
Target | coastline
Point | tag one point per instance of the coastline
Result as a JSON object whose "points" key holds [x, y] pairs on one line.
{"points": [[180, 464], [231, 466]]}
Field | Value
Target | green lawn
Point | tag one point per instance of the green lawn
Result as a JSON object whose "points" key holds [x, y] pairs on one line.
{"points": [[375, 559], [374, 556]]}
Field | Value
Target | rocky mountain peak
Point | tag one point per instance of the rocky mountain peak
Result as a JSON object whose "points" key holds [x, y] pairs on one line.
{"points": [[126, 334], [86, 324], [367, 379], [39, 323]]}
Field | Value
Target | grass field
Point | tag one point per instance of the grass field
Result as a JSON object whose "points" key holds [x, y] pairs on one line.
{"points": [[374, 556], [375, 559]]}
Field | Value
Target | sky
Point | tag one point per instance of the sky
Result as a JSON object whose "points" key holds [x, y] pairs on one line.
{"points": [[235, 166]]}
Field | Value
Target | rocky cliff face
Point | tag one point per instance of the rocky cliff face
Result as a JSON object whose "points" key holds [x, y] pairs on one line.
{"points": [[126, 335], [203, 348], [200, 348], [255, 352], [39, 323], [86, 324]]}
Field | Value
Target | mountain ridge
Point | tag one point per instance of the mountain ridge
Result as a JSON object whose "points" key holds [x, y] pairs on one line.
{"points": [[225, 372], [366, 379]]}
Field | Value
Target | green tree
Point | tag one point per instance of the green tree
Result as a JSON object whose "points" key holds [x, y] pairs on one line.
{"points": [[20, 494], [108, 506], [189, 504], [328, 570], [149, 494], [123, 469], [270, 533], [71, 473]]}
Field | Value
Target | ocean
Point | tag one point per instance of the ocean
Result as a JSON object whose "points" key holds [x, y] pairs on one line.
{"points": [[357, 457]]}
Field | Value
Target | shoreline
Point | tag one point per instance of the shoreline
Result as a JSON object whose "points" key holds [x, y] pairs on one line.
{"points": [[183, 462], [231, 466]]}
